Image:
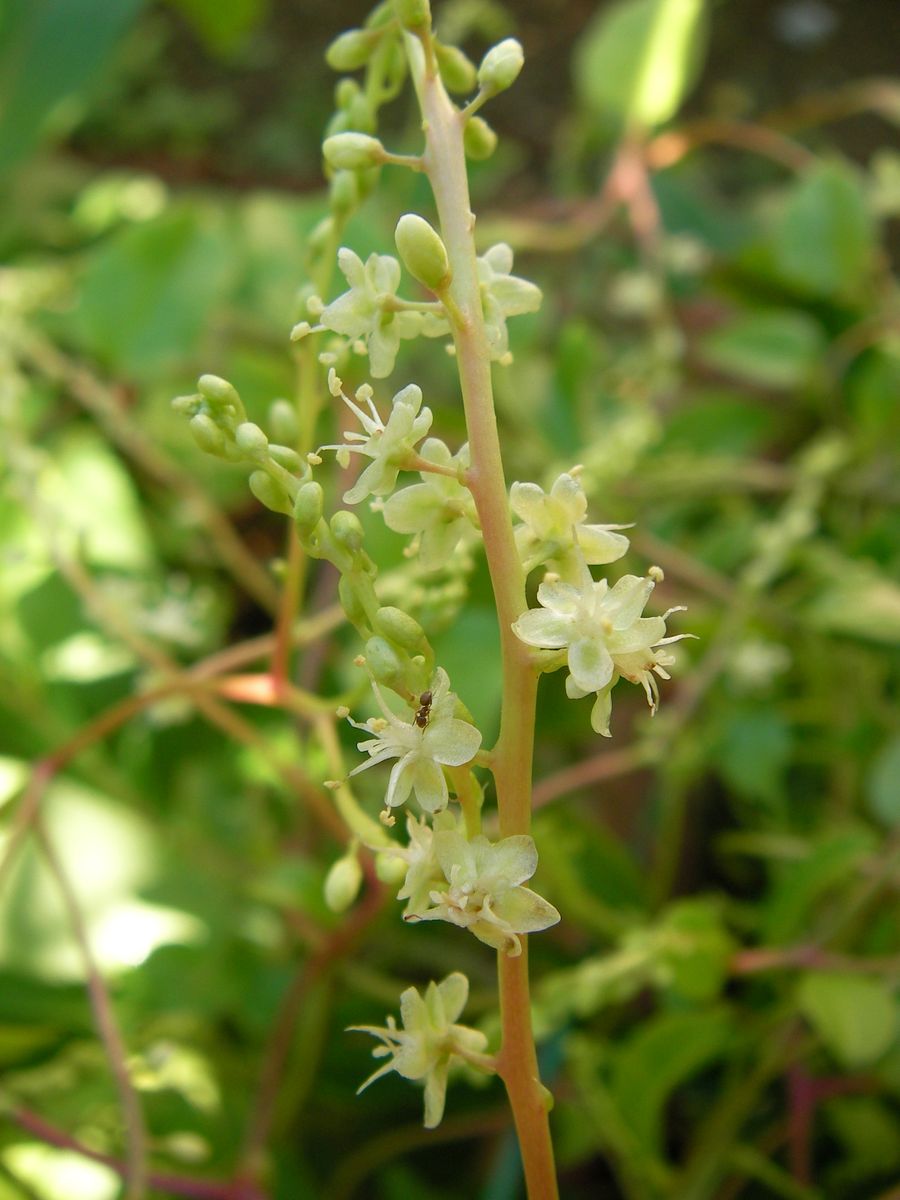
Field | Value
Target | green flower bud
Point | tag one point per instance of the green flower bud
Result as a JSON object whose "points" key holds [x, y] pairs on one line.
{"points": [[308, 506], [251, 439], [413, 14], [424, 254], [343, 881], [500, 67], [344, 192], [353, 151], [390, 869], [383, 660], [400, 627], [207, 434], [345, 92], [283, 422], [188, 406], [287, 458], [347, 529], [350, 51], [270, 493], [456, 68], [219, 391], [479, 139], [351, 600]]}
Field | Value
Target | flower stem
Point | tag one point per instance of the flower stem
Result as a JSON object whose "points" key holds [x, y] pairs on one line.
{"points": [[445, 165]]}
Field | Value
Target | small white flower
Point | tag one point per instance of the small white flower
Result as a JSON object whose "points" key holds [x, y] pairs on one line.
{"points": [[503, 295], [440, 508], [361, 313], [554, 530], [389, 446], [604, 636], [422, 751], [429, 1040], [482, 889]]}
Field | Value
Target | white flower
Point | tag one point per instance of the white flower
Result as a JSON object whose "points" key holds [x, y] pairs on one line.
{"points": [[604, 635], [554, 531], [364, 312], [389, 446], [503, 295], [482, 889], [423, 871], [422, 750], [429, 1040], [440, 509]]}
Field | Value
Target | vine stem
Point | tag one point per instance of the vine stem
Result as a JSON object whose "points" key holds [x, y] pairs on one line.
{"points": [[445, 165]]}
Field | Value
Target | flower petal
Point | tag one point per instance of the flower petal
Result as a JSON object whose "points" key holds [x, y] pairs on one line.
{"points": [[454, 992], [539, 627], [436, 1092], [590, 663], [451, 742], [512, 861], [429, 785], [525, 911]]}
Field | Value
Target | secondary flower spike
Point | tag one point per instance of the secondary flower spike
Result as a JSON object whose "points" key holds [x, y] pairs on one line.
{"points": [[429, 1040], [422, 750]]}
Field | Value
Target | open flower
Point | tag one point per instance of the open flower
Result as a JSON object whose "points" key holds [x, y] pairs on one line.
{"points": [[482, 889], [389, 446], [422, 750], [554, 531], [604, 636], [429, 1041], [364, 313], [423, 871], [503, 295], [440, 508]]}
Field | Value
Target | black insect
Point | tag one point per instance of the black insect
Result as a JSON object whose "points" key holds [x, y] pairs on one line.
{"points": [[424, 709]]}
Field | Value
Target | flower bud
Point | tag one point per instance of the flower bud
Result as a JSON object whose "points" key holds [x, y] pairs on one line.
{"points": [[344, 192], [353, 151], [424, 254], [188, 406], [456, 68], [500, 66], [219, 391], [383, 660], [283, 422], [347, 529], [251, 439], [390, 869], [400, 627], [286, 457], [350, 51], [351, 601], [479, 139], [270, 493], [413, 14], [207, 434], [343, 881], [308, 506]]}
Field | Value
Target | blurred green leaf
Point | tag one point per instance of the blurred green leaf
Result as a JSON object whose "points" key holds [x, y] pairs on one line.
{"points": [[883, 784], [855, 1016], [222, 27], [853, 597], [49, 50], [665, 1052], [824, 242], [753, 752], [638, 59], [774, 348], [148, 293]]}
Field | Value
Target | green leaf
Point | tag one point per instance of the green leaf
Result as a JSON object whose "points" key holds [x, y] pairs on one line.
{"points": [[664, 1053], [694, 949], [883, 784], [855, 1016], [824, 243], [831, 864], [148, 293], [854, 598], [222, 27], [775, 348], [638, 60], [48, 51], [753, 752]]}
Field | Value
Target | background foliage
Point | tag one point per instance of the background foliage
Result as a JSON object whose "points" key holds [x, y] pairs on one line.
{"points": [[713, 225]]}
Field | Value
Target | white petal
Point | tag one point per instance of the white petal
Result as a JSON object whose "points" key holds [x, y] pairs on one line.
{"points": [[525, 911], [590, 664], [451, 742], [454, 992], [560, 597], [513, 860], [538, 627], [401, 782], [429, 785], [626, 600]]}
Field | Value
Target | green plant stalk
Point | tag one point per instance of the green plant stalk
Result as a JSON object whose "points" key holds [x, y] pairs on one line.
{"points": [[445, 165]]}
